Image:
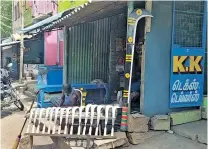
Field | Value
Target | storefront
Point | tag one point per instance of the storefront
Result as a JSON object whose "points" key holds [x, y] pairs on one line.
{"points": [[95, 48]]}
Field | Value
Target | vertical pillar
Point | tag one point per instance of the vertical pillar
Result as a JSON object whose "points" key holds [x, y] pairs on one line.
{"points": [[65, 66], [147, 28], [130, 7], [126, 106], [21, 43], [1, 55]]}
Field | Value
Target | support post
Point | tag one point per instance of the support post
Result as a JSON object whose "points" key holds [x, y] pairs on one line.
{"points": [[65, 66], [130, 9], [126, 106], [21, 44], [130, 6], [147, 28], [1, 56]]}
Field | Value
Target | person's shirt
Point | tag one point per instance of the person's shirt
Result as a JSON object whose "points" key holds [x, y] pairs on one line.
{"points": [[70, 100], [67, 100], [135, 86]]}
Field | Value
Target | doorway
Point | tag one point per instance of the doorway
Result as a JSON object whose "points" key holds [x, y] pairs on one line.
{"points": [[136, 71]]}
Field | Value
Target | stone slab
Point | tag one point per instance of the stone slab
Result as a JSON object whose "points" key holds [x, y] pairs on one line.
{"points": [[137, 138], [185, 117], [25, 143], [112, 143], [204, 109], [204, 115], [160, 122], [138, 123], [195, 130], [204, 112]]}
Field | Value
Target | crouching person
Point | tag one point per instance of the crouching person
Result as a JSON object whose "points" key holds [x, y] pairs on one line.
{"points": [[68, 98]]}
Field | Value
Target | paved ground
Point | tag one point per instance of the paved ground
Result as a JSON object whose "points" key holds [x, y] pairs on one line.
{"points": [[12, 120], [169, 141], [196, 131]]}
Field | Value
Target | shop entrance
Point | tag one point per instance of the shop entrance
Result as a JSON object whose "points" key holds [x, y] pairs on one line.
{"points": [[136, 70]]}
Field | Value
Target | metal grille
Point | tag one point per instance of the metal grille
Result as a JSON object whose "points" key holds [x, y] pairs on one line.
{"points": [[188, 23]]}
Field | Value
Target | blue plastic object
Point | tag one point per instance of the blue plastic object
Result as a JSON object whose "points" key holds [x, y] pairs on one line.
{"points": [[96, 94], [50, 78], [42, 103]]}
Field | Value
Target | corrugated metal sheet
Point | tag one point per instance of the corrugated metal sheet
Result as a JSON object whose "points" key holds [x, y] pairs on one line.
{"points": [[90, 11], [92, 50], [118, 30], [89, 51]]}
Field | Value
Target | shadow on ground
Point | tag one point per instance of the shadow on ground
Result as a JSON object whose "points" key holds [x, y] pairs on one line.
{"points": [[8, 111]]}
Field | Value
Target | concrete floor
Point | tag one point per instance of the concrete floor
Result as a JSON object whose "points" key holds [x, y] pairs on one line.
{"points": [[169, 141], [11, 125], [12, 120], [195, 130]]}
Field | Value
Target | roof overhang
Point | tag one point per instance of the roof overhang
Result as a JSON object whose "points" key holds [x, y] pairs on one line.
{"points": [[90, 11], [14, 40], [93, 11], [8, 43]]}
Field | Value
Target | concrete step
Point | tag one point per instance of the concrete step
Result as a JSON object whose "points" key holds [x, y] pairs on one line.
{"points": [[184, 117], [195, 131]]}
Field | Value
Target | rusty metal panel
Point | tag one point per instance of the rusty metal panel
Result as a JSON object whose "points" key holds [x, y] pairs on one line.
{"points": [[89, 51]]}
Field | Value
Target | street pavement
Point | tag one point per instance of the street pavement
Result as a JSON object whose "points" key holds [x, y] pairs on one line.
{"points": [[169, 141], [12, 120]]}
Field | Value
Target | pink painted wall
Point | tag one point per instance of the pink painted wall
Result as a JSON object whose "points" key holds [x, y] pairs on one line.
{"points": [[61, 52], [50, 44], [51, 50]]}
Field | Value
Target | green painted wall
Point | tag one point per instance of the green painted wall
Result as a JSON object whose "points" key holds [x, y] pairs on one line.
{"points": [[28, 16], [66, 4], [27, 12]]}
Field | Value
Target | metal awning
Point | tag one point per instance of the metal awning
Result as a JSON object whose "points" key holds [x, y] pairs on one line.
{"points": [[14, 40], [8, 45], [35, 28], [90, 11], [94, 10]]}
